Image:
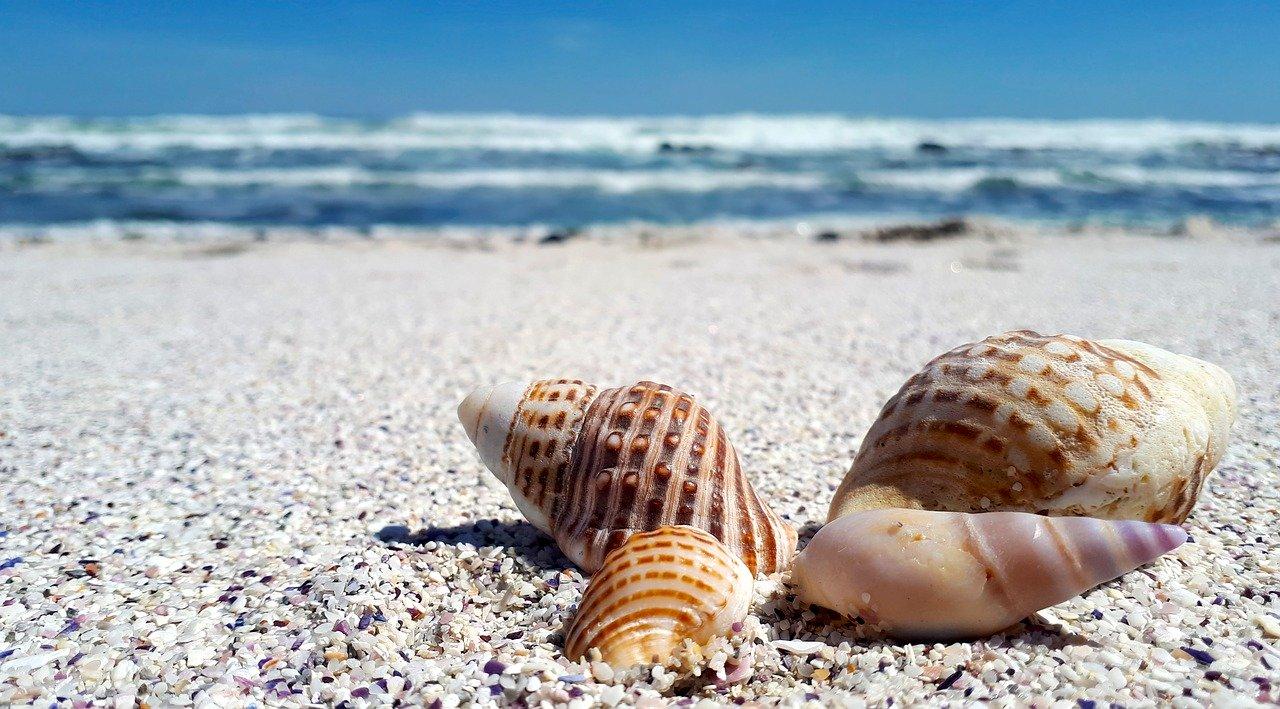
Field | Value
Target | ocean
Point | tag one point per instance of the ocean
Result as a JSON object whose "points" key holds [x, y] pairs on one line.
{"points": [[456, 170]]}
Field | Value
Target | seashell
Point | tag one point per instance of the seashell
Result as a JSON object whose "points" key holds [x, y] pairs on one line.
{"points": [[800, 647], [947, 575], [656, 590], [591, 467], [1056, 425]]}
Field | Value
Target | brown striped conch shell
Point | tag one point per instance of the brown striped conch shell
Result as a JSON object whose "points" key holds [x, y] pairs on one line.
{"points": [[591, 467], [656, 590], [1056, 425], [946, 575]]}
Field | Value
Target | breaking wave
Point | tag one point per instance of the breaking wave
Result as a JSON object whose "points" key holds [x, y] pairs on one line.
{"points": [[511, 169]]}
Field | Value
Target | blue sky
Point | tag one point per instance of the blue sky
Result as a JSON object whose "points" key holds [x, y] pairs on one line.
{"points": [[1181, 60]]}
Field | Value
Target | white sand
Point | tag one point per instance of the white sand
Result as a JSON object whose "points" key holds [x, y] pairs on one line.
{"points": [[198, 452]]}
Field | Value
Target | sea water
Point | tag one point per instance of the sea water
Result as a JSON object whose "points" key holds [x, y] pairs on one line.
{"points": [[434, 170]]}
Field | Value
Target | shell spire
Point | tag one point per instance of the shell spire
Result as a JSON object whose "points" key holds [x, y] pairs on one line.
{"points": [[656, 590], [946, 575], [1057, 425], [591, 467]]}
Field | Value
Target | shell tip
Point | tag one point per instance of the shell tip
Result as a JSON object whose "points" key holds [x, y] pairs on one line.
{"points": [[1170, 536], [472, 409], [486, 415]]}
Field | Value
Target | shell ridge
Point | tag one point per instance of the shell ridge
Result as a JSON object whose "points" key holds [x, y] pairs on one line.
{"points": [[1074, 566], [511, 428], [747, 533], [649, 595], [655, 485], [742, 535], [618, 505], [521, 479], [656, 590], [762, 542], [1119, 552], [572, 425], [654, 451], [573, 517], [708, 476], [975, 543], [607, 510], [678, 467]]}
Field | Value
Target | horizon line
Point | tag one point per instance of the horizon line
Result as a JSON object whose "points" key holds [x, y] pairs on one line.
{"points": [[629, 116]]}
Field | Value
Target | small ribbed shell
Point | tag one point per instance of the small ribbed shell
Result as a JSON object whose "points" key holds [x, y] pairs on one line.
{"points": [[947, 575], [592, 467], [1056, 424], [656, 590]]}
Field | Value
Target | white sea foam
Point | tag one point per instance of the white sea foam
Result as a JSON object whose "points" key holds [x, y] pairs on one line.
{"points": [[941, 180], [302, 168], [1108, 178], [955, 179], [1179, 177], [778, 134], [616, 181]]}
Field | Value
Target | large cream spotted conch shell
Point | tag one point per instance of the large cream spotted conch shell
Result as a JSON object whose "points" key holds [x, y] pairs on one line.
{"points": [[591, 467], [657, 590], [1056, 425], [1020, 422]]}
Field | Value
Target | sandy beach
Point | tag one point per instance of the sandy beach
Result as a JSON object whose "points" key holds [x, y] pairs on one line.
{"points": [[231, 473]]}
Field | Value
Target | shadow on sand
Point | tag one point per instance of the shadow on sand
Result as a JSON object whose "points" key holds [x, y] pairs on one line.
{"points": [[539, 552], [805, 532], [529, 544]]}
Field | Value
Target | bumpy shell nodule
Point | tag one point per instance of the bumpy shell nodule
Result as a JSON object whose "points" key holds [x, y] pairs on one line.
{"points": [[946, 575], [591, 467], [656, 590], [1056, 425]]}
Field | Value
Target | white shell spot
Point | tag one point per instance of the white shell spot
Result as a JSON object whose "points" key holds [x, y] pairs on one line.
{"points": [[979, 369], [980, 350], [1020, 386], [1017, 487], [1003, 412], [1041, 437], [1062, 416], [1079, 394], [985, 502], [866, 597], [1198, 431], [1058, 348], [1124, 369], [1111, 384], [1033, 364]]}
